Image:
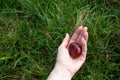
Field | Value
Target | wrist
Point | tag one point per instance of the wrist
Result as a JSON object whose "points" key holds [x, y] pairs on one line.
{"points": [[60, 73]]}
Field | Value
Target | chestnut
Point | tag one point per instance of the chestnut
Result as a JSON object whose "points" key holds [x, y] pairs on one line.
{"points": [[75, 50]]}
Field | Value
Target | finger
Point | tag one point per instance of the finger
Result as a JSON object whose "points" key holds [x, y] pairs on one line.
{"points": [[85, 29], [81, 35], [75, 35], [66, 40], [86, 36], [84, 46]]}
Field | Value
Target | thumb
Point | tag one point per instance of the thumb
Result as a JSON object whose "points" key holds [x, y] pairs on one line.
{"points": [[65, 40]]}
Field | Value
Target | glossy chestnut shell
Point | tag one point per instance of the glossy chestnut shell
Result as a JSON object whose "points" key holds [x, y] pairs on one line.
{"points": [[75, 50]]}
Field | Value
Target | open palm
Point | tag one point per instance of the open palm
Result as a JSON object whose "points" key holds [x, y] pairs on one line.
{"points": [[80, 36]]}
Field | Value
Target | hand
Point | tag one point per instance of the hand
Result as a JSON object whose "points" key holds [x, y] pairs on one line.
{"points": [[64, 59], [66, 66]]}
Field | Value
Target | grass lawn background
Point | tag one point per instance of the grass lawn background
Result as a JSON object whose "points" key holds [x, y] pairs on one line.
{"points": [[32, 30]]}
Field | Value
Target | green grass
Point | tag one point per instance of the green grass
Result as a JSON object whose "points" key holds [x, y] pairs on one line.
{"points": [[32, 30]]}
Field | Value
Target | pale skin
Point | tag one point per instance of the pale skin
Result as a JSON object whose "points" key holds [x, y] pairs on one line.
{"points": [[66, 66]]}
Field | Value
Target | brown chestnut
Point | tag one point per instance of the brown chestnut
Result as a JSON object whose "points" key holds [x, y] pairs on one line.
{"points": [[75, 50]]}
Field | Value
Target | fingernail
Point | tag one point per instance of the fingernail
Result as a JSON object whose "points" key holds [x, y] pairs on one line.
{"points": [[85, 28], [80, 26], [67, 34]]}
